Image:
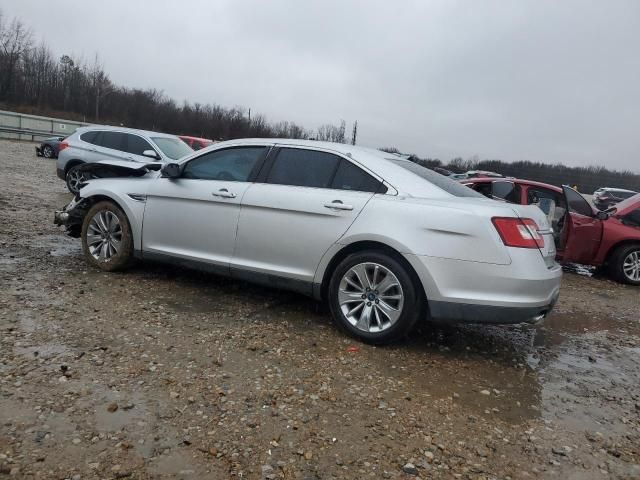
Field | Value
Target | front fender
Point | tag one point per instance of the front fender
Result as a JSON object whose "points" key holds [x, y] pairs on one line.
{"points": [[132, 208]]}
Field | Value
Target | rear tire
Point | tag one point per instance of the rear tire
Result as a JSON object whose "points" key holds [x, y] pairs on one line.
{"points": [[624, 264], [74, 178], [107, 241], [374, 297], [47, 151]]}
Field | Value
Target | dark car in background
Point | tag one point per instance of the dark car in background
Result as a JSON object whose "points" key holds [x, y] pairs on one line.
{"points": [[605, 197], [49, 147], [196, 143], [609, 239]]}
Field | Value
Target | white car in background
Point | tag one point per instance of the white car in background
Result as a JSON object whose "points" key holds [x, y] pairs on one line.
{"points": [[383, 240], [93, 144]]}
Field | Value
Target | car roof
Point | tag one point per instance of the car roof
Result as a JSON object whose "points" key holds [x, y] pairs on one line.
{"points": [[520, 181], [147, 133]]}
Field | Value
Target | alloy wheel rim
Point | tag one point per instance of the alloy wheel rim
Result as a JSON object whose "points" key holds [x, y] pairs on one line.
{"points": [[370, 297], [104, 235], [631, 266], [75, 179], [48, 151]]}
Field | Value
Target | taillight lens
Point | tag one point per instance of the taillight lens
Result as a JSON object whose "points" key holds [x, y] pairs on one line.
{"points": [[518, 232], [62, 146]]}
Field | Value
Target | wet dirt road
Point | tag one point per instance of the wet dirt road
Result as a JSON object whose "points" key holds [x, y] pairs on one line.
{"points": [[167, 373]]}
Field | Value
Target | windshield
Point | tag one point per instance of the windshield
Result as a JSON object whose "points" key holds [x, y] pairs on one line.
{"points": [[173, 148], [445, 183]]}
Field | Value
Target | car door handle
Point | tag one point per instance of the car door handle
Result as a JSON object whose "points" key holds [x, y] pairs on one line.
{"points": [[338, 205], [224, 193]]}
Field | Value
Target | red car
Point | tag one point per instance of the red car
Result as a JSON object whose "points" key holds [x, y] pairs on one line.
{"points": [[583, 235], [196, 142]]}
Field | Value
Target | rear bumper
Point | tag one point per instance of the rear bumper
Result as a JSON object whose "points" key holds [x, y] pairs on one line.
{"points": [[60, 173], [470, 313], [523, 291]]}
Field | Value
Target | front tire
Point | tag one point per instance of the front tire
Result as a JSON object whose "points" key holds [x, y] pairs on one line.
{"points": [[373, 297], [624, 265], [107, 242]]}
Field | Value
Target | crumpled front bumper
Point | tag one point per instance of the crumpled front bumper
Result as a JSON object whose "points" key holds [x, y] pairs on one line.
{"points": [[71, 216]]}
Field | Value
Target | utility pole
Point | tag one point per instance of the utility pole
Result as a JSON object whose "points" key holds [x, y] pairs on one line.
{"points": [[249, 116], [354, 135]]}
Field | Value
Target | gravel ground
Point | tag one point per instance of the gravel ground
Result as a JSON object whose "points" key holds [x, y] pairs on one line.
{"points": [[166, 373]]}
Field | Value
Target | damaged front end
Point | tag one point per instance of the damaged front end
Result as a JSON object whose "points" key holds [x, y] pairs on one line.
{"points": [[72, 216]]}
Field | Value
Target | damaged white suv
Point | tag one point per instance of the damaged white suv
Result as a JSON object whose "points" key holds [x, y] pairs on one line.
{"points": [[383, 240]]}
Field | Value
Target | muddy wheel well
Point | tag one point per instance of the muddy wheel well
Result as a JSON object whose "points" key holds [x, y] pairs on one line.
{"points": [[612, 250], [71, 163], [74, 228], [366, 246]]}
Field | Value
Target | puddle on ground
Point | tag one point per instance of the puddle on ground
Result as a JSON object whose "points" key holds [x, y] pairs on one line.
{"points": [[59, 245], [555, 371], [44, 351], [559, 327]]}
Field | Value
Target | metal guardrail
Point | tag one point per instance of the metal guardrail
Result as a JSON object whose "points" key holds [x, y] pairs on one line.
{"points": [[21, 126], [21, 133]]}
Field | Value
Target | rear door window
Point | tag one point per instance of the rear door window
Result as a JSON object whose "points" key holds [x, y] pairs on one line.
{"points": [[113, 140], [304, 168], [352, 177]]}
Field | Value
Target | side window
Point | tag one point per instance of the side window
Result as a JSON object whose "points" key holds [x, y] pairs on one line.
{"points": [[507, 191], [351, 177], [196, 145], [550, 202], [304, 168], [233, 164], [89, 137], [136, 144], [633, 218], [113, 140]]}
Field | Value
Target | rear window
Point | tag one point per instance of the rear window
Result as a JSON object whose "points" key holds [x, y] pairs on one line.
{"points": [[440, 181], [89, 137]]}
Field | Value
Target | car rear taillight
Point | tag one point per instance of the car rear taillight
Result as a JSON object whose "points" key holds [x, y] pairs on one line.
{"points": [[62, 146], [518, 232]]}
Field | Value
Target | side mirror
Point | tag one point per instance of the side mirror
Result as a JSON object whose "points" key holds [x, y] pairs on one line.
{"points": [[602, 215], [151, 154], [171, 170]]}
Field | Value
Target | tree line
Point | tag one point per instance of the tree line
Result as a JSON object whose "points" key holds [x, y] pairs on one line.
{"points": [[587, 179], [34, 80]]}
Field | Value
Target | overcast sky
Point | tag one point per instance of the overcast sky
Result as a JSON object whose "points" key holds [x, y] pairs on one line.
{"points": [[538, 80]]}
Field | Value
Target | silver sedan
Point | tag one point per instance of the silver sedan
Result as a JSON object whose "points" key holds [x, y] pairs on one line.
{"points": [[384, 241]]}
